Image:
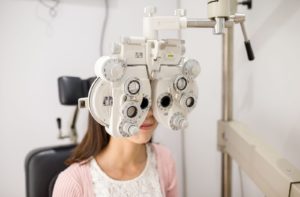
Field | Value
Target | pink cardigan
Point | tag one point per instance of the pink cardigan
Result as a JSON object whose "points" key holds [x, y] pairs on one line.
{"points": [[76, 180]]}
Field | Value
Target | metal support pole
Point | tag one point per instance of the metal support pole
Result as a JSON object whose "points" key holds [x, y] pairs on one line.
{"points": [[227, 90], [227, 104]]}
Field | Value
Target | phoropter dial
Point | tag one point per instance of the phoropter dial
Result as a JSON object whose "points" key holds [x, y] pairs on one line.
{"points": [[110, 68], [180, 83], [165, 101], [191, 68], [131, 110], [132, 86], [188, 101], [128, 129], [178, 122]]}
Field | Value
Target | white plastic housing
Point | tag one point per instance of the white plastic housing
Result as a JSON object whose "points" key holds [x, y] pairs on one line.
{"points": [[153, 24], [110, 68], [112, 100], [108, 102], [220, 8], [173, 115]]}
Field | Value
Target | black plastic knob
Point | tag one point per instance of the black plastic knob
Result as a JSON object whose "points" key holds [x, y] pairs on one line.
{"points": [[58, 121], [249, 50], [247, 3]]}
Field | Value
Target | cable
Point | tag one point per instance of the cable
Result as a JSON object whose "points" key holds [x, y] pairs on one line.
{"points": [[184, 181], [106, 15], [183, 163], [52, 7], [53, 12], [241, 182]]}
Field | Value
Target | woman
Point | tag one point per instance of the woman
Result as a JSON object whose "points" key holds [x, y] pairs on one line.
{"points": [[103, 166]]}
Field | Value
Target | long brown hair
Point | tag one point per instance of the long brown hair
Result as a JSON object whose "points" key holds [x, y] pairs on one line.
{"points": [[95, 139]]}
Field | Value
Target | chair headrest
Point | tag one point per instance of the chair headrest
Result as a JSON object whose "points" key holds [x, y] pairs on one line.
{"points": [[70, 89]]}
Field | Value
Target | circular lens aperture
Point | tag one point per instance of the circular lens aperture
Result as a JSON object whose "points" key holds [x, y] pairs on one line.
{"points": [[165, 101], [190, 101], [145, 103], [181, 83], [131, 111], [133, 87]]}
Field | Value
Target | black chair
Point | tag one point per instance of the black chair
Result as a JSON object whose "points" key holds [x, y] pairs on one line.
{"points": [[42, 167]]}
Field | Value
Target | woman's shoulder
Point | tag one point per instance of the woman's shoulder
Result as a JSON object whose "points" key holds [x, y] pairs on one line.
{"points": [[160, 148], [76, 169], [166, 168], [72, 180], [162, 152]]}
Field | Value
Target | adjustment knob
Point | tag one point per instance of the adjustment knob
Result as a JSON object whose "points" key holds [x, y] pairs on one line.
{"points": [[180, 83], [130, 129], [188, 101], [132, 86], [192, 68], [110, 69], [183, 123], [178, 122]]}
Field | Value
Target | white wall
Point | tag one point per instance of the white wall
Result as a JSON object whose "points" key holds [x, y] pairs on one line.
{"points": [[267, 92], [35, 49]]}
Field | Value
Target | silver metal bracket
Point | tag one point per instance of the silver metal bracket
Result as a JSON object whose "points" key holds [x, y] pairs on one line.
{"points": [[221, 136]]}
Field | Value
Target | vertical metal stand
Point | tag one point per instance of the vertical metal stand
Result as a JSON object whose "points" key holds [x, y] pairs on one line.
{"points": [[227, 90], [227, 104]]}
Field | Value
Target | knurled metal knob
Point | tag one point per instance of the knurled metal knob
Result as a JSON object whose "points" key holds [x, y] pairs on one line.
{"points": [[149, 11]]}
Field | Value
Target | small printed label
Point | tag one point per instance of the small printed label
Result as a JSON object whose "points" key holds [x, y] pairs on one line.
{"points": [[138, 54], [108, 101]]}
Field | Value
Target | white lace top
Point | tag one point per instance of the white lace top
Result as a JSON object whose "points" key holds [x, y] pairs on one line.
{"points": [[145, 185]]}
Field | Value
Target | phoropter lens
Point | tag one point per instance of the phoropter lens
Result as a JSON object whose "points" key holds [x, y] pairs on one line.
{"points": [[131, 111], [181, 83], [190, 101], [133, 87], [165, 101], [145, 103]]}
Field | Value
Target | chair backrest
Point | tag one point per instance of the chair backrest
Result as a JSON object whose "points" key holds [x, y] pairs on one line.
{"points": [[42, 167], [70, 89]]}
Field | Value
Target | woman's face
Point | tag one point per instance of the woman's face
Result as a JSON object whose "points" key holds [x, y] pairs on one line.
{"points": [[146, 129]]}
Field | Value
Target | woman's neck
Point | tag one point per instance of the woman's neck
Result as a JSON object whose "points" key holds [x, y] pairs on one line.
{"points": [[121, 153]]}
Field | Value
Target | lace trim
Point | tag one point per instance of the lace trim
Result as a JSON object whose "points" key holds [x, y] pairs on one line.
{"points": [[144, 185]]}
